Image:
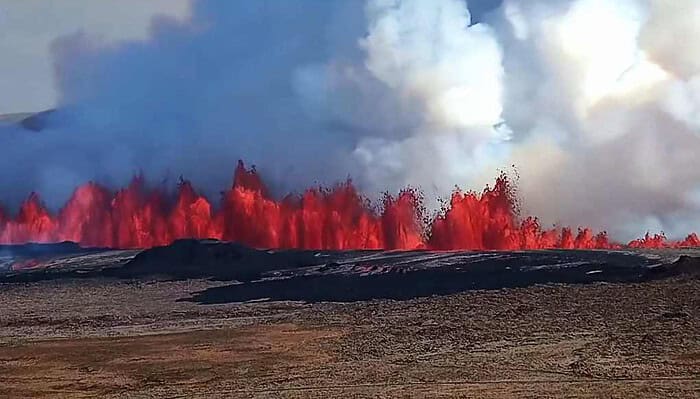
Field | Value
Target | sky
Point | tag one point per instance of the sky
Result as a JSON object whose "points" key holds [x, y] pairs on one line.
{"points": [[29, 27]]}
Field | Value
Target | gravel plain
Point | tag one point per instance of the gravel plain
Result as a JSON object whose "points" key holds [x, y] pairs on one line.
{"points": [[113, 338]]}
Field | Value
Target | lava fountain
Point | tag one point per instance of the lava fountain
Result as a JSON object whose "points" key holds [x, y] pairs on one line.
{"points": [[336, 218]]}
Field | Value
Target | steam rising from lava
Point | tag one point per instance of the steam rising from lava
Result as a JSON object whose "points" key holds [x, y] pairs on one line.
{"points": [[595, 101]]}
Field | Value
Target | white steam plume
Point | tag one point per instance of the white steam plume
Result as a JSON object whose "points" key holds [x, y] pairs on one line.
{"points": [[604, 132], [596, 102], [443, 78]]}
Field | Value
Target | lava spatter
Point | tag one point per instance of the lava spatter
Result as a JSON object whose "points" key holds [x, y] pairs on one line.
{"points": [[336, 218]]}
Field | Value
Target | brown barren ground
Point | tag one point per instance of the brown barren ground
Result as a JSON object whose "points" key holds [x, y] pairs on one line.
{"points": [[108, 338]]}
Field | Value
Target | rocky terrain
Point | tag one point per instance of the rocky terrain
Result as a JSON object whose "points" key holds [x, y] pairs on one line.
{"points": [[100, 323]]}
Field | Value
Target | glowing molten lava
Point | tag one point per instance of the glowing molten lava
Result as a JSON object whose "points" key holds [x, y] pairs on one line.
{"points": [[339, 218]]}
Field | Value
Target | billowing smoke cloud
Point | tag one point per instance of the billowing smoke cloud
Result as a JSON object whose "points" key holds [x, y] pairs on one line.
{"points": [[435, 119], [595, 101], [191, 101], [601, 101]]}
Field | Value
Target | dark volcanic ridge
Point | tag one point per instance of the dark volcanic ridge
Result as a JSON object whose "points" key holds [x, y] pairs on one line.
{"points": [[34, 121], [302, 275]]}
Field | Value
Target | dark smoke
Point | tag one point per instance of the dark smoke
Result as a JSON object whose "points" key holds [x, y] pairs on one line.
{"points": [[191, 101]]}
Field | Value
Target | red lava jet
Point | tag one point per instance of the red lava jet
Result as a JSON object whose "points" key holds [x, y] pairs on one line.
{"points": [[337, 218]]}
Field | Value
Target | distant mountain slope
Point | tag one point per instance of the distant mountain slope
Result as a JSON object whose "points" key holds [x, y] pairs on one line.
{"points": [[34, 121]]}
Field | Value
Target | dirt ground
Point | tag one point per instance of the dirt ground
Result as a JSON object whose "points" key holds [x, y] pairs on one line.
{"points": [[111, 338]]}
